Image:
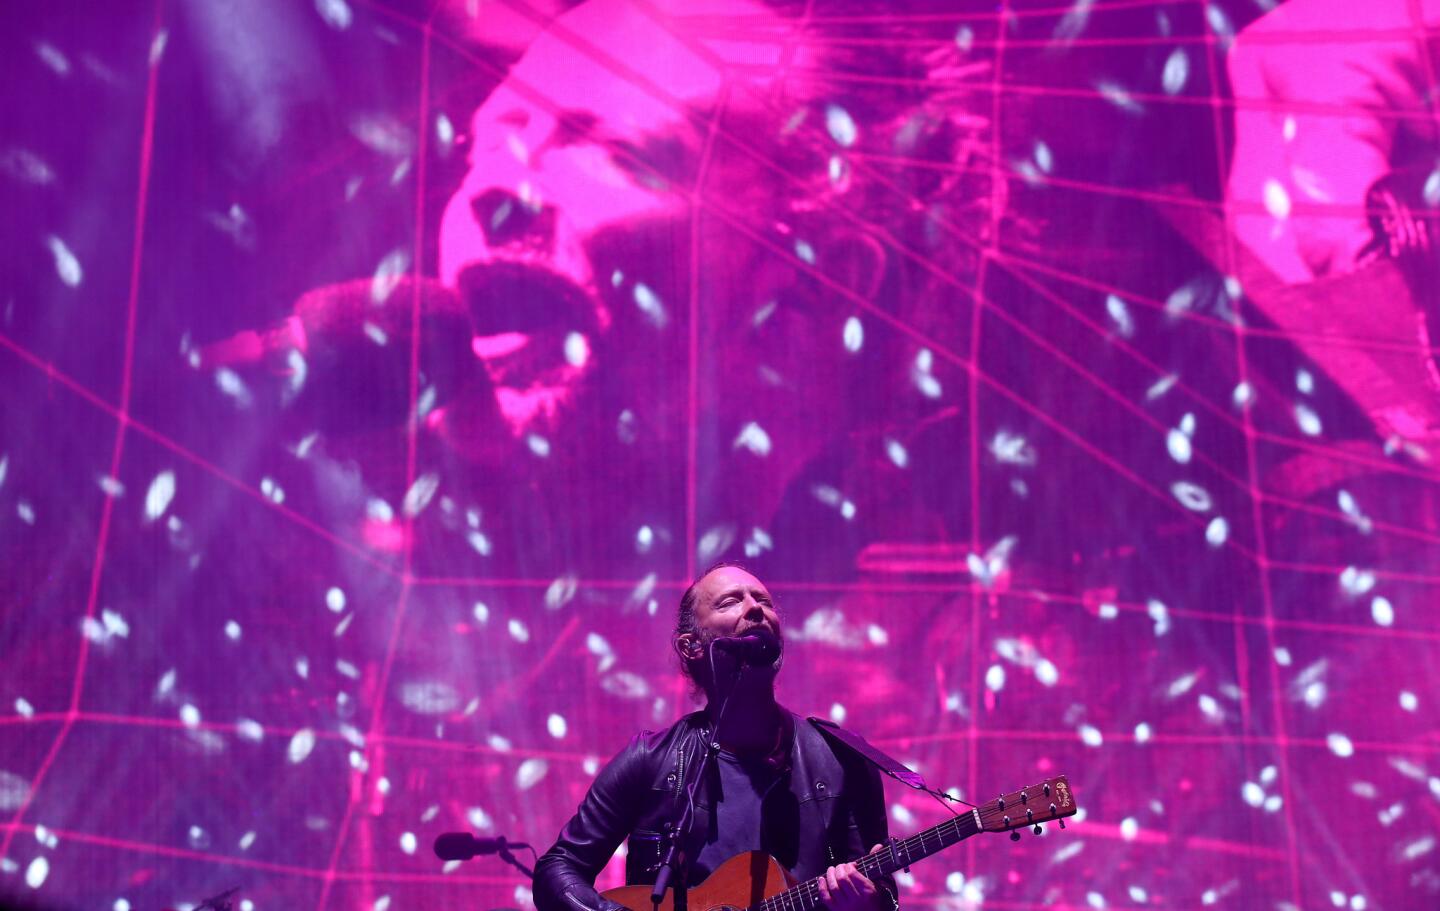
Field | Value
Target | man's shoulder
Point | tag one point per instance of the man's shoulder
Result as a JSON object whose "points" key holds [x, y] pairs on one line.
{"points": [[837, 741], [651, 741], [823, 728], [648, 754], [816, 735], [819, 723]]}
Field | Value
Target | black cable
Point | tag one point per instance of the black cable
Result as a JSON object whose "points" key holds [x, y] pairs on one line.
{"points": [[681, 830]]}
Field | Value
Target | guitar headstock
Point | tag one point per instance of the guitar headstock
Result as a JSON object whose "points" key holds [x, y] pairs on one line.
{"points": [[1050, 799]]}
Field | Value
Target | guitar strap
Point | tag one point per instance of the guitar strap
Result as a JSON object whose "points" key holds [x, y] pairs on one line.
{"points": [[871, 754]]}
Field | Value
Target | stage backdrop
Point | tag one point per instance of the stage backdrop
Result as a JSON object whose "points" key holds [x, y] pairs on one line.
{"points": [[377, 373]]}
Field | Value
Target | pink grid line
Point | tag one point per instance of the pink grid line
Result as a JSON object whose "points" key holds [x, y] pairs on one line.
{"points": [[1098, 830], [362, 876], [1157, 99], [987, 256], [1271, 37], [1342, 342], [692, 392], [1429, 745], [77, 686], [358, 791], [1282, 759], [958, 583], [960, 17], [1128, 737]]}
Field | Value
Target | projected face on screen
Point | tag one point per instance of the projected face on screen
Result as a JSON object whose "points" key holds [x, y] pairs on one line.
{"points": [[577, 197], [632, 193]]}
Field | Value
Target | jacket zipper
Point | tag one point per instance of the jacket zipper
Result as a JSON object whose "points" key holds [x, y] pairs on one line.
{"points": [[680, 770]]}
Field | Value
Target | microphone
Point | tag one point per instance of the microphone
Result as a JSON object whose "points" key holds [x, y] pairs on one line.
{"points": [[758, 646], [463, 846], [355, 352]]}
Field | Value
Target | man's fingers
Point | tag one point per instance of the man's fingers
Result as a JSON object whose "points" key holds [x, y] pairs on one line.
{"points": [[845, 888], [853, 881], [857, 879]]}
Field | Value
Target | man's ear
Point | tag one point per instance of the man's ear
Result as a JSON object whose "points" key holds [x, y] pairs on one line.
{"points": [[687, 646]]}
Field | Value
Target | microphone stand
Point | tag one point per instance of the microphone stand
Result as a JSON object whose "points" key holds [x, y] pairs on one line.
{"points": [[501, 848], [504, 854], [675, 858]]}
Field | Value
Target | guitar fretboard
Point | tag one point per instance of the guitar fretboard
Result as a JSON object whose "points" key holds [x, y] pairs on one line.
{"points": [[897, 855]]}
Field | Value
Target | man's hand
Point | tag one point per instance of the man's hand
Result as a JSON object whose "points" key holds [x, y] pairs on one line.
{"points": [[845, 888]]}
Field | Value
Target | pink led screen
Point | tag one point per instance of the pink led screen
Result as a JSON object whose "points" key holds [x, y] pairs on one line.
{"points": [[376, 375]]}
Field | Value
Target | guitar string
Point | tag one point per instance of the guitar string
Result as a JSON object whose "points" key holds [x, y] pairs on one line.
{"points": [[871, 864], [807, 894]]}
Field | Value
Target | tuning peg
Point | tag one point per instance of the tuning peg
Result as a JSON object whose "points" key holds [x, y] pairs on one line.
{"points": [[1015, 836], [1062, 823], [1038, 830]]}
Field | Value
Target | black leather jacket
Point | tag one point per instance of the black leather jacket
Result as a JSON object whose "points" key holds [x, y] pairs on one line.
{"points": [[841, 809]]}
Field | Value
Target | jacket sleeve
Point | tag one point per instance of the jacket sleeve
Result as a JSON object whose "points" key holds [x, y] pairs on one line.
{"points": [[565, 874], [870, 820]]}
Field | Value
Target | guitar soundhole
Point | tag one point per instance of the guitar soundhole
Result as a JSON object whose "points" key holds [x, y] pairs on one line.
{"points": [[724, 908]]}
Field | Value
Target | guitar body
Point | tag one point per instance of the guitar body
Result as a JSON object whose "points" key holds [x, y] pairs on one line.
{"points": [[754, 880], [739, 883]]}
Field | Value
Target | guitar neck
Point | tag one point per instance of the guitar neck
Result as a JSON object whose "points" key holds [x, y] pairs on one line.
{"points": [[897, 855]]}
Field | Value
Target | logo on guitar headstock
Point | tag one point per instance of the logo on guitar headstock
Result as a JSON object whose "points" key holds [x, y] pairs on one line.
{"points": [[1062, 793]]}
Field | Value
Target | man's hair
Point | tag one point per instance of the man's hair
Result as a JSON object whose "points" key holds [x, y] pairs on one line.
{"points": [[685, 616]]}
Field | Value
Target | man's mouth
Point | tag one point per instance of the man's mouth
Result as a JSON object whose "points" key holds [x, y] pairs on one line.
{"points": [[505, 297]]}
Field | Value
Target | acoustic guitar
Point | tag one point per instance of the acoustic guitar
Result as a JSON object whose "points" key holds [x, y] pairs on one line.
{"points": [[756, 881]]}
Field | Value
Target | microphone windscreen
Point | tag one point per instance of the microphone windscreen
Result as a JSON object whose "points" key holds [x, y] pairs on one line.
{"points": [[768, 645], [455, 846]]}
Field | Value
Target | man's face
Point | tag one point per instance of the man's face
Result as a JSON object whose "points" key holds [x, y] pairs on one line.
{"points": [[586, 223], [731, 602], [556, 226]]}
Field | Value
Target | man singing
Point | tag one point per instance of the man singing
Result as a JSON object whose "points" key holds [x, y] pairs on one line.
{"points": [[775, 785]]}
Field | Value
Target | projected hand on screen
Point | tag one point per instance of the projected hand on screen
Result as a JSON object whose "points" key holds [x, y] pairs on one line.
{"points": [[1332, 177]]}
